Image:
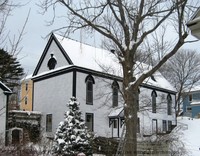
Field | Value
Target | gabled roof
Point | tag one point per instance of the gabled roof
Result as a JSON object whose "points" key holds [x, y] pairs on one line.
{"points": [[100, 60], [116, 112], [90, 57], [5, 89], [192, 89], [51, 39]]}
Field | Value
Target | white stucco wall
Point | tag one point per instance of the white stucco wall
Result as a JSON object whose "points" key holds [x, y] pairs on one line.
{"points": [[51, 96], [3, 99], [102, 102], [146, 116], [61, 60]]}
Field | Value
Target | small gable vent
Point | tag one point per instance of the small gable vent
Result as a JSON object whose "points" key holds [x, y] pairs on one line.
{"points": [[52, 62]]}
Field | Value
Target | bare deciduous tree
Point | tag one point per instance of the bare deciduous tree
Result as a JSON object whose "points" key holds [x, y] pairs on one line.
{"points": [[126, 25], [11, 44], [182, 71], [8, 42]]}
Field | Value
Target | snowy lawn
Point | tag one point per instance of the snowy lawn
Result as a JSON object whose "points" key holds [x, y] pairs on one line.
{"points": [[191, 136]]}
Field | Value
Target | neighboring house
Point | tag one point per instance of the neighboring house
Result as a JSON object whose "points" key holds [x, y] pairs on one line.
{"points": [[194, 24], [4, 96], [92, 75], [191, 99], [26, 94], [191, 102]]}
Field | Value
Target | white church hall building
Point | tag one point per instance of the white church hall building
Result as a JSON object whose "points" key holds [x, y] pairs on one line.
{"points": [[69, 68]]}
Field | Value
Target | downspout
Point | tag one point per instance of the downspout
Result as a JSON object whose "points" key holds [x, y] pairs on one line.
{"points": [[6, 127]]}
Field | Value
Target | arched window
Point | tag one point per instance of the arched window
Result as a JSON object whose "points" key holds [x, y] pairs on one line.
{"points": [[153, 95], [169, 104], [115, 90], [89, 89]]}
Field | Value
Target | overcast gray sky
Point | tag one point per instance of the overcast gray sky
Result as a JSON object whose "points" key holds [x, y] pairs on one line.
{"points": [[33, 42], [36, 30]]}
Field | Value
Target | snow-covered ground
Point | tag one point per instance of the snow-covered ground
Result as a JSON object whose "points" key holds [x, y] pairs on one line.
{"points": [[191, 134]]}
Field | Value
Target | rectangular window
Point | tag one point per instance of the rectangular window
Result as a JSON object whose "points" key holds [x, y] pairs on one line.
{"points": [[115, 123], [89, 121], [189, 109], [190, 97], [154, 126], [26, 86], [169, 125], [49, 123], [164, 125], [26, 100]]}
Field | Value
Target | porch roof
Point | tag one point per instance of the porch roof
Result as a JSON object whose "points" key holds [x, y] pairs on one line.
{"points": [[117, 112]]}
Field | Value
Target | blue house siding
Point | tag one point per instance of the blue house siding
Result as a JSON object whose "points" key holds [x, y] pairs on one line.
{"points": [[195, 111], [189, 109], [186, 104]]}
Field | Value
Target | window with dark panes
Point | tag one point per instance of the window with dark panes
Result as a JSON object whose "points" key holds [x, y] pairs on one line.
{"points": [[169, 125], [164, 125], [26, 100], [154, 95], [169, 104], [26, 86], [89, 90], [49, 123], [115, 123], [190, 97], [89, 121], [115, 90]]}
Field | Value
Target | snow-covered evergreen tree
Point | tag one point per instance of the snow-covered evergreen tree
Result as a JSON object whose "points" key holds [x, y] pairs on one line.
{"points": [[71, 136]]}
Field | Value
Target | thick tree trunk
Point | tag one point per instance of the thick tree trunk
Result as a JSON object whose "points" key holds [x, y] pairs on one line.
{"points": [[130, 112]]}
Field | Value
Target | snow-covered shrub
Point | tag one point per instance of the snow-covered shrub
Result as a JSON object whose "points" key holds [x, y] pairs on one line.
{"points": [[72, 137]]}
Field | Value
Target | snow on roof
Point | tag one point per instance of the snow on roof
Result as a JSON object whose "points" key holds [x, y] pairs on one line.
{"points": [[51, 71], [102, 60], [190, 135], [193, 89], [157, 79], [116, 112], [26, 112], [90, 57], [195, 103]]}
